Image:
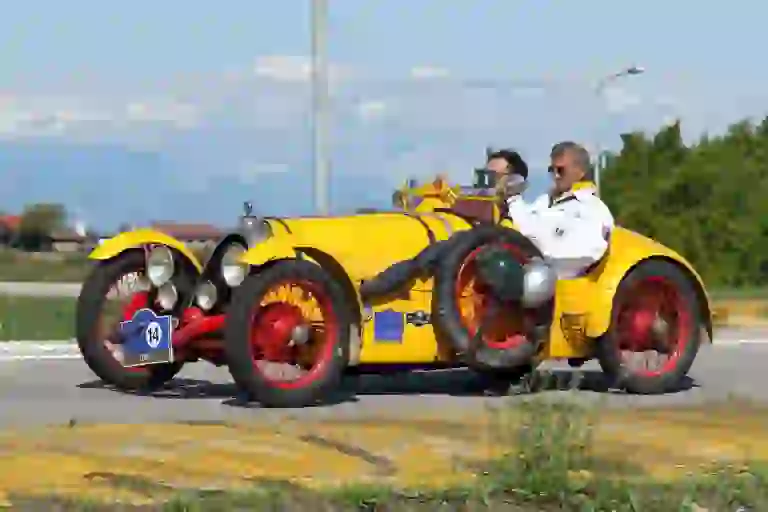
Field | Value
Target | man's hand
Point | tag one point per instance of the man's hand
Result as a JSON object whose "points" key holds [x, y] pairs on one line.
{"points": [[510, 185]]}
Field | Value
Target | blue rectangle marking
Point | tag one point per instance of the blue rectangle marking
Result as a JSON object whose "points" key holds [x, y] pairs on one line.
{"points": [[388, 326]]}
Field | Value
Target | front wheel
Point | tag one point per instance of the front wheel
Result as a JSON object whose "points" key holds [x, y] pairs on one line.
{"points": [[655, 331], [111, 294], [287, 334]]}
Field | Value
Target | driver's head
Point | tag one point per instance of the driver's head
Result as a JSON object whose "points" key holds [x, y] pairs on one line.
{"points": [[507, 161], [569, 165]]}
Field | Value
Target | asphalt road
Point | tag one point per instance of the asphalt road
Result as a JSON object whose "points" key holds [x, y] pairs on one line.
{"points": [[57, 391], [39, 289]]}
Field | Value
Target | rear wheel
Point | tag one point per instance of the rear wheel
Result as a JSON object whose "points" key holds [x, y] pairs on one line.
{"points": [[655, 330], [287, 334], [111, 294]]}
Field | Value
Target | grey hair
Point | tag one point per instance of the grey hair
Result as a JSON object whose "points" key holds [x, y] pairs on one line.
{"points": [[580, 156]]}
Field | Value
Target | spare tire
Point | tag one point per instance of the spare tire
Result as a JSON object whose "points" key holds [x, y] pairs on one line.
{"points": [[504, 340]]}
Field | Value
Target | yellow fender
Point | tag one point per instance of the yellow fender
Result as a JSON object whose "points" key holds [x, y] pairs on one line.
{"points": [[274, 248], [133, 239], [628, 250]]}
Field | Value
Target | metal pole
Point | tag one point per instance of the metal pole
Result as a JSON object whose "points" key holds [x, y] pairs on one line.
{"points": [[599, 88], [320, 105], [598, 168]]}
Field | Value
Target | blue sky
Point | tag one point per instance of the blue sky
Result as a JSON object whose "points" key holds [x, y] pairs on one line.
{"points": [[181, 110]]}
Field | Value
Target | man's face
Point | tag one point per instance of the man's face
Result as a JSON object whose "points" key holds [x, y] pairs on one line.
{"points": [[565, 172], [498, 165]]}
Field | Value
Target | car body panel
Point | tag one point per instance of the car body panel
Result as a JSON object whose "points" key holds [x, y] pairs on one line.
{"points": [[364, 245]]}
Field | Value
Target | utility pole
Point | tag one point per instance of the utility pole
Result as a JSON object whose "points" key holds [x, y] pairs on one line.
{"points": [[320, 106]]}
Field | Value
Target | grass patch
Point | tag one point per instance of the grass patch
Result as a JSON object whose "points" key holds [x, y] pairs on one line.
{"points": [[43, 267], [550, 464], [757, 292], [36, 318]]}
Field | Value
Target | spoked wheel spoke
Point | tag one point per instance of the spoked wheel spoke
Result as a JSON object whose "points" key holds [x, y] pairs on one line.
{"points": [[500, 325], [114, 291], [290, 337], [652, 327], [127, 295], [287, 334]]}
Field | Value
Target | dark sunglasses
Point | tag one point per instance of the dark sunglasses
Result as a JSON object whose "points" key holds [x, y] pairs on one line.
{"points": [[556, 169]]}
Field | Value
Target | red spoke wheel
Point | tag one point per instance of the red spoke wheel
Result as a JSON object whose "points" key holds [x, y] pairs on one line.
{"points": [[499, 327], [287, 334], [111, 294], [462, 305], [655, 330]]}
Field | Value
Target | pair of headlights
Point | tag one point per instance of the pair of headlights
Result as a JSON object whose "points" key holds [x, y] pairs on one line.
{"points": [[233, 272], [161, 267]]}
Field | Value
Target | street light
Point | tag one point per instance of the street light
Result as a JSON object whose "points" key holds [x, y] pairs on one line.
{"points": [[599, 88], [320, 105]]}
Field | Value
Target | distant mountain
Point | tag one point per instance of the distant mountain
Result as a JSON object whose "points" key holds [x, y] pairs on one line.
{"points": [[108, 185], [204, 175]]}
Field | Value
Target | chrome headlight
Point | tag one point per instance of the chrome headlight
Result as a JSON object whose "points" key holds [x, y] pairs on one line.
{"points": [[538, 283], [206, 295], [167, 296], [255, 230], [160, 265], [233, 271]]}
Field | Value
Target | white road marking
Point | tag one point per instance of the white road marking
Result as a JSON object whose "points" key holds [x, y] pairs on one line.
{"points": [[66, 349], [45, 357]]}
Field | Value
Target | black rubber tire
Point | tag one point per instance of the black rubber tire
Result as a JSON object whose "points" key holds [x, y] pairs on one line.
{"points": [[498, 381], [609, 358], [96, 355], [237, 327], [446, 317]]}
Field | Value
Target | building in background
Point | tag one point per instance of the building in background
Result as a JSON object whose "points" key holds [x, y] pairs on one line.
{"points": [[196, 236], [9, 227]]}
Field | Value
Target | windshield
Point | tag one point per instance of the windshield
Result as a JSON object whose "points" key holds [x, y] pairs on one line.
{"points": [[484, 178]]}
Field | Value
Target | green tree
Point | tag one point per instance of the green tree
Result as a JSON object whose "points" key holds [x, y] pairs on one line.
{"points": [[38, 222], [707, 200]]}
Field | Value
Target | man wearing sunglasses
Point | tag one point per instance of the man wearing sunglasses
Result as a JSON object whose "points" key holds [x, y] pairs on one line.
{"points": [[570, 224]]}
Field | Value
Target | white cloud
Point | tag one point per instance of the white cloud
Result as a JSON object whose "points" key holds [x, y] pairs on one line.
{"points": [[55, 115], [23, 116], [285, 68], [618, 99], [249, 172], [427, 72], [372, 109], [294, 68], [180, 115]]}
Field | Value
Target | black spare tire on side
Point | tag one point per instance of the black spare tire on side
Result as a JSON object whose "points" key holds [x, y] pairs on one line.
{"points": [[468, 341]]}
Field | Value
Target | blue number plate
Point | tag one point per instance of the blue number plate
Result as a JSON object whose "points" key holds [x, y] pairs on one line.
{"points": [[147, 339]]}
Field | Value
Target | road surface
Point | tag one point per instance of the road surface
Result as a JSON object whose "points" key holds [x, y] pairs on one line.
{"points": [[39, 289], [60, 390]]}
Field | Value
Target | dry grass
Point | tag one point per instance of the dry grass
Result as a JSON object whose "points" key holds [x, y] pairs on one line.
{"points": [[551, 464]]}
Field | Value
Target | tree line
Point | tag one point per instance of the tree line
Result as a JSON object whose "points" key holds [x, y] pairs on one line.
{"points": [[706, 200], [39, 221]]}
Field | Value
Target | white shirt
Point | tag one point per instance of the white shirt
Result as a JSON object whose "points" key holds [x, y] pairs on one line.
{"points": [[572, 231]]}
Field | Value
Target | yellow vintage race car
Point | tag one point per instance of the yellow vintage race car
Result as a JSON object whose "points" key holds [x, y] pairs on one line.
{"points": [[291, 305]]}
